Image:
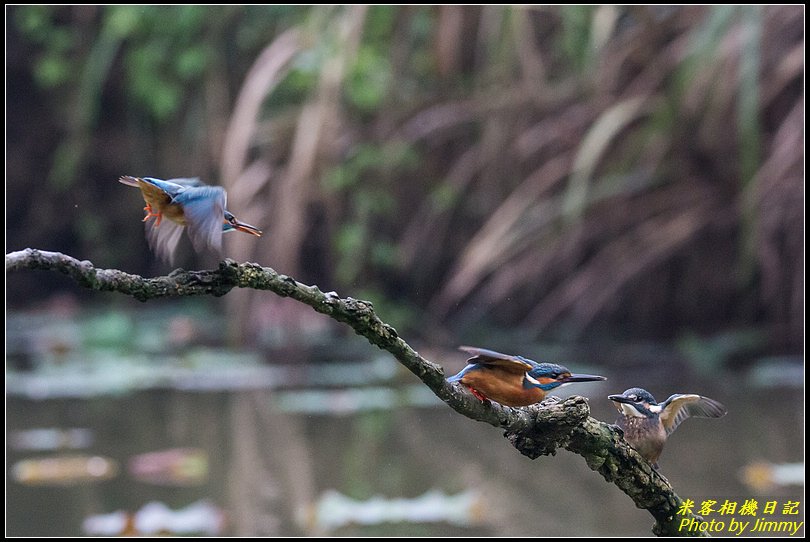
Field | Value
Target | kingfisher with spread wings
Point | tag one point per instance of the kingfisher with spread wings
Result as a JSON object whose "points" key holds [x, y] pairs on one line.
{"points": [[189, 203]]}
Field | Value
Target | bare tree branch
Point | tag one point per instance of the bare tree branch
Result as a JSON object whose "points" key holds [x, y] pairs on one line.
{"points": [[535, 430]]}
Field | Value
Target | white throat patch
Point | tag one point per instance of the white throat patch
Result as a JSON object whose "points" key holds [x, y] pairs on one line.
{"points": [[630, 410]]}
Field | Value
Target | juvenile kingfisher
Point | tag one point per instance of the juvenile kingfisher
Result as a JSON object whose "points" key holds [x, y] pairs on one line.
{"points": [[512, 380], [185, 202], [646, 424]]}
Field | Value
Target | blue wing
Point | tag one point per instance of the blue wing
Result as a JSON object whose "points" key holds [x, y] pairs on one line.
{"points": [[171, 188], [187, 182], [515, 364], [204, 209], [465, 370]]}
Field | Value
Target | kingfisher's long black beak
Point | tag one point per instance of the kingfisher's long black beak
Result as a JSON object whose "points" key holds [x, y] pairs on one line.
{"points": [[582, 378], [621, 399]]}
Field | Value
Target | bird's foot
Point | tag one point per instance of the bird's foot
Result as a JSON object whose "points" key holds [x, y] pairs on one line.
{"points": [[481, 397], [150, 213]]}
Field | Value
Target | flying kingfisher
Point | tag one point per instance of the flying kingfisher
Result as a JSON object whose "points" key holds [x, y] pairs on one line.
{"points": [[185, 202], [647, 424], [512, 380]]}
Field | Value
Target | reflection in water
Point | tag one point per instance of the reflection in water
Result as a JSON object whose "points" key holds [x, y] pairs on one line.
{"points": [[334, 510], [51, 438], [155, 518], [344, 401], [269, 444], [173, 467], [269, 467], [762, 476], [64, 470]]}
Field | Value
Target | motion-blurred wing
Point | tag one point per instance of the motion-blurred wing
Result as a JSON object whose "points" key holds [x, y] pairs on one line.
{"points": [[163, 239], [515, 364], [681, 406], [156, 192], [129, 180], [204, 209], [187, 182], [152, 185]]}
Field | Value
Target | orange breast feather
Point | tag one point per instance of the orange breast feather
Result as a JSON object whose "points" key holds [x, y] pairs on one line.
{"points": [[504, 387]]}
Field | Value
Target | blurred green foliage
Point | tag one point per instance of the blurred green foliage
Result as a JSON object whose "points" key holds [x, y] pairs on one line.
{"points": [[539, 168]]}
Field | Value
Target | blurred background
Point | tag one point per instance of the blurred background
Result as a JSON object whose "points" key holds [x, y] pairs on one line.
{"points": [[618, 189]]}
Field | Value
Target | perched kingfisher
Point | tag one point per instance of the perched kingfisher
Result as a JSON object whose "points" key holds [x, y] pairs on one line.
{"points": [[646, 424], [185, 202], [512, 380]]}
